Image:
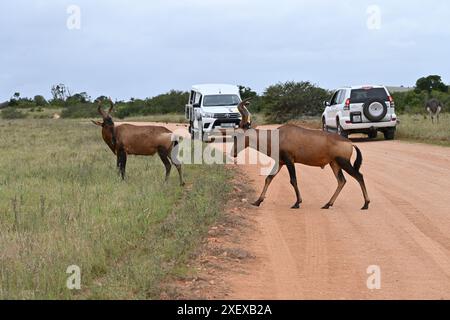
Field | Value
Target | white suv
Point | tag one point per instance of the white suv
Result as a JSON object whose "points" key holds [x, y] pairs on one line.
{"points": [[361, 109]]}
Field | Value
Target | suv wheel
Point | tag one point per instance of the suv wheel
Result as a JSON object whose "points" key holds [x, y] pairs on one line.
{"points": [[373, 134], [375, 110], [389, 134], [341, 130], [324, 126]]}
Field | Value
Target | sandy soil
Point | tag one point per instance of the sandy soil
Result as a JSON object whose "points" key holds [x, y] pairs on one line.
{"points": [[317, 254]]}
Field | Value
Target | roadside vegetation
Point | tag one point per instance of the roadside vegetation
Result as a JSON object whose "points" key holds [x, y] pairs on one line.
{"points": [[62, 203], [416, 128]]}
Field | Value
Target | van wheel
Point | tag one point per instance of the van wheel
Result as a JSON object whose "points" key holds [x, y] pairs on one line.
{"points": [[206, 138], [191, 131], [389, 134]]}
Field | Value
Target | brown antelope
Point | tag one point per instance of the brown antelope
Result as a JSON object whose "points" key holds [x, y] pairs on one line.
{"points": [[434, 107], [310, 147], [127, 139]]}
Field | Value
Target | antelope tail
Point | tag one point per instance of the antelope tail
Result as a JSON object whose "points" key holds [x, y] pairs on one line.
{"points": [[359, 159]]}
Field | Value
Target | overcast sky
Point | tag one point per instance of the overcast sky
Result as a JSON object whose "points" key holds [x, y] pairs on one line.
{"points": [[137, 48]]}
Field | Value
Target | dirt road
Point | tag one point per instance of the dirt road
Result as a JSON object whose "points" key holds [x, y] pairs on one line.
{"points": [[315, 254]]}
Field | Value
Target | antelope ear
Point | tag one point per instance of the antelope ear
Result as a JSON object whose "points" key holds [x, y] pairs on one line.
{"points": [[97, 123]]}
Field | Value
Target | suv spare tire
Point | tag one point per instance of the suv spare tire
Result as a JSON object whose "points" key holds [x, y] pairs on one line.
{"points": [[375, 110]]}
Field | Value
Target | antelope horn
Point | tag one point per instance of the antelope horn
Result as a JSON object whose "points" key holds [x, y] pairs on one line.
{"points": [[100, 109], [244, 112], [111, 103]]}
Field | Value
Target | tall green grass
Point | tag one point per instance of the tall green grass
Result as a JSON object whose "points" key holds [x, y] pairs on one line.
{"points": [[62, 203], [417, 128]]}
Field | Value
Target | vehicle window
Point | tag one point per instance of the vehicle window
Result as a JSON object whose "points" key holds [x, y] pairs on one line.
{"points": [[198, 98], [192, 97], [341, 97], [362, 95], [221, 100], [334, 99]]}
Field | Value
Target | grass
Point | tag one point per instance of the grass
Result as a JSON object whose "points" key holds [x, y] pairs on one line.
{"points": [[48, 113], [62, 204], [170, 117], [416, 128]]}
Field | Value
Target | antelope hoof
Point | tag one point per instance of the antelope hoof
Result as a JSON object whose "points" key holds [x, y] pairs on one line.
{"points": [[296, 206], [256, 203], [366, 206], [327, 206]]}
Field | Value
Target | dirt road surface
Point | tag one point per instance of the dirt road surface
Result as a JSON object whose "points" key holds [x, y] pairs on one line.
{"points": [[318, 254], [315, 254]]}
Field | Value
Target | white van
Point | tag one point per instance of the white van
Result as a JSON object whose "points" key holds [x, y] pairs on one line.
{"points": [[212, 107]]}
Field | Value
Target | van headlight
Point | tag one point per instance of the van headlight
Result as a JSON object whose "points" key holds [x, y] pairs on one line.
{"points": [[207, 115]]}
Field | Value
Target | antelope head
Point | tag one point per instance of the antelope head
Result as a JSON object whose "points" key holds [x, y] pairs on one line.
{"points": [[107, 124]]}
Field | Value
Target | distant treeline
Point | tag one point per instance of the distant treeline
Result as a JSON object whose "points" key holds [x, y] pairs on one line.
{"points": [[279, 103], [413, 102], [81, 105]]}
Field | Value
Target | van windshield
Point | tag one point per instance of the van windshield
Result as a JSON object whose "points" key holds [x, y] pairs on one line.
{"points": [[221, 100], [362, 95]]}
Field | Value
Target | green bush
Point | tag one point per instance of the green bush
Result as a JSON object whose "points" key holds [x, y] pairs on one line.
{"points": [[412, 102], [12, 113], [22, 103], [86, 110], [40, 101], [171, 102], [292, 100]]}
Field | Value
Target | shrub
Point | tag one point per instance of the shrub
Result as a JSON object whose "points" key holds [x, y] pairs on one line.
{"points": [[171, 102], [12, 113], [87, 110], [291, 100], [412, 102], [40, 101]]}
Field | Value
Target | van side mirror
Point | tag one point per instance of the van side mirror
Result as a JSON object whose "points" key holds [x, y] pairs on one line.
{"points": [[326, 103], [196, 105]]}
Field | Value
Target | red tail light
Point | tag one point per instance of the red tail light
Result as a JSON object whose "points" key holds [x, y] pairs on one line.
{"points": [[391, 100], [347, 104]]}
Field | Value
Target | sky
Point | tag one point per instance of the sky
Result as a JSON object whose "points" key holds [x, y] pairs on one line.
{"points": [[137, 48]]}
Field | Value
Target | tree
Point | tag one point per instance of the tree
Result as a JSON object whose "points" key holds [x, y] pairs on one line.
{"points": [[14, 101], [40, 101], [82, 97], [101, 99], [246, 92], [60, 92], [291, 100], [431, 83]]}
